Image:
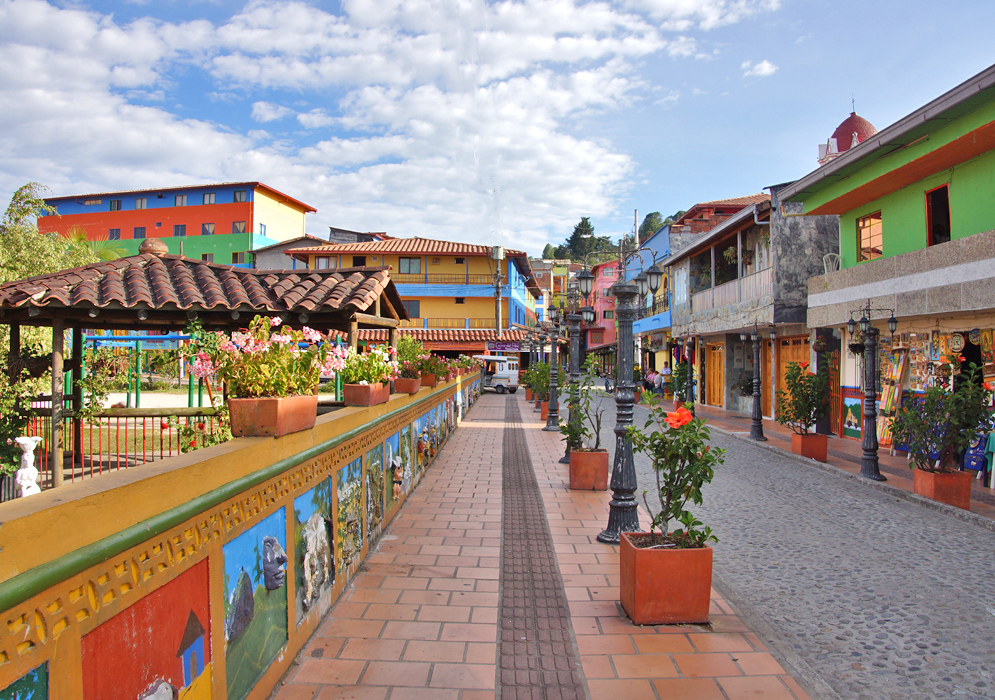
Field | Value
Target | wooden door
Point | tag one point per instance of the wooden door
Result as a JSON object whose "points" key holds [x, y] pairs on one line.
{"points": [[714, 374], [835, 393], [789, 350], [765, 378]]}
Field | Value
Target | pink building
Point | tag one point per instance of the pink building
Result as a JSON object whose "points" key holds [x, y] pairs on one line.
{"points": [[601, 334]]}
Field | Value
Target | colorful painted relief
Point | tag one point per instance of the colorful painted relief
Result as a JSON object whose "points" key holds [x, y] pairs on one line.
{"points": [[33, 685], [255, 601], [852, 417], [314, 547], [374, 491], [397, 458], [349, 519], [406, 453], [421, 442], [160, 647]]}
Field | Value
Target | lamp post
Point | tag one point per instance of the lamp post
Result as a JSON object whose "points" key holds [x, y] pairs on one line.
{"points": [[542, 346], [553, 414], [573, 334], [869, 467], [689, 382], [757, 422]]}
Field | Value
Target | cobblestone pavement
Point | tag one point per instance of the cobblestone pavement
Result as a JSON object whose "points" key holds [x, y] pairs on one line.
{"points": [[880, 597]]}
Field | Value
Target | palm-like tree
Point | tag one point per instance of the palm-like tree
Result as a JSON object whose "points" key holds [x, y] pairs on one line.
{"points": [[103, 248]]}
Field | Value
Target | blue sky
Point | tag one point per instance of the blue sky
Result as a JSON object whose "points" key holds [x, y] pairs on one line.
{"points": [[490, 122]]}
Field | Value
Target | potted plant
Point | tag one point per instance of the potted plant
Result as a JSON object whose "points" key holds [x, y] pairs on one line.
{"points": [[937, 428], [540, 388], [366, 376], [805, 403], [409, 356], [588, 462], [680, 379], [432, 368], [666, 576], [271, 382]]}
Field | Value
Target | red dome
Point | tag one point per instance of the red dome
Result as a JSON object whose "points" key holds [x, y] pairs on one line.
{"points": [[851, 125]]}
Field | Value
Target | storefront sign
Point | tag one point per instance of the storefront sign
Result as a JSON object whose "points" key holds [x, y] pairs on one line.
{"points": [[500, 346]]}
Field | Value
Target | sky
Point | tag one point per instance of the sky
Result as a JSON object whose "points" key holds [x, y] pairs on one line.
{"points": [[497, 122]]}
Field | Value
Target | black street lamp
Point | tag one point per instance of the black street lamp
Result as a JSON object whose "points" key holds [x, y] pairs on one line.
{"points": [[757, 422], [542, 348], [573, 334], [553, 414], [622, 513], [869, 467]]}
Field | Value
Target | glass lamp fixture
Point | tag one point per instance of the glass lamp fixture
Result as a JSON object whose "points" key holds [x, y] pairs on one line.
{"points": [[641, 284], [585, 280], [654, 276]]}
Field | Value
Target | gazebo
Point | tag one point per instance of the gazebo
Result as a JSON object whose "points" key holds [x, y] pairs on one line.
{"points": [[160, 292]]}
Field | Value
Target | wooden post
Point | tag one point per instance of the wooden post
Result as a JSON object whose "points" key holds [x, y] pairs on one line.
{"points": [[14, 352], [354, 334], [392, 337], [58, 389], [77, 393]]}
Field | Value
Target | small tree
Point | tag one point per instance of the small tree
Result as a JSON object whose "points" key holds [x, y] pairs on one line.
{"points": [[680, 379], [806, 401], [584, 398]]}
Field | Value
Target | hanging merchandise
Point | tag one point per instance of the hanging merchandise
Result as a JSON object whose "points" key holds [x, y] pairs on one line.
{"points": [[986, 346], [956, 343], [893, 372], [975, 336]]}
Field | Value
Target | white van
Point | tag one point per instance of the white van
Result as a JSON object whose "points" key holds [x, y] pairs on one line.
{"points": [[500, 372]]}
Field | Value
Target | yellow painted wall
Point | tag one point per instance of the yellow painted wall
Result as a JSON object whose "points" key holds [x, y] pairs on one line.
{"points": [[284, 220], [79, 528]]}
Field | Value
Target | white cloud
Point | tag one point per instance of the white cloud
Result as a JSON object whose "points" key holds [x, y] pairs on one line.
{"points": [[269, 112], [761, 70], [453, 120]]}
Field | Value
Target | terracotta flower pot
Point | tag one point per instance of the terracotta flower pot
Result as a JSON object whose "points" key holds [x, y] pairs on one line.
{"points": [[528, 394], [637, 395], [543, 410], [272, 415], [428, 380], [403, 385], [952, 488], [365, 394], [677, 404], [811, 445], [589, 470], [664, 586]]}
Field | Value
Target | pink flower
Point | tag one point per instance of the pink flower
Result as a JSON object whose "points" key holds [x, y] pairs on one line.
{"points": [[275, 321], [282, 339], [311, 335]]}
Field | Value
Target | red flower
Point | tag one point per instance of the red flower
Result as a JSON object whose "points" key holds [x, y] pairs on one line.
{"points": [[803, 365], [163, 425], [679, 418], [200, 426], [988, 386]]}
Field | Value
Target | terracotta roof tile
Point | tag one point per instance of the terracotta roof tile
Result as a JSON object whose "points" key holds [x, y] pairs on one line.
{"points": [[446, 335], [174, 283], [405, 245]]}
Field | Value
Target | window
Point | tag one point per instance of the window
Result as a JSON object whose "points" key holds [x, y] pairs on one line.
{"points": [[608, 314], [359, 261], [409, 266], [114, 234], [460, 300], [207, 257], [115, 205], [237, 258], [608, 271], [141, 203], [179, 230], [239, 196], [413, 307], [180, 200], [869, 236], [238, 227], [321, 263], [597, 337], [139, 232], [208, 198], [262, 229], [938, 216], [459, 261], [91, 202], [207, 229]]}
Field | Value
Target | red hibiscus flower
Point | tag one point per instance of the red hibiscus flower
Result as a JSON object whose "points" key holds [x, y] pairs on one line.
{"points": [[679, 418]]}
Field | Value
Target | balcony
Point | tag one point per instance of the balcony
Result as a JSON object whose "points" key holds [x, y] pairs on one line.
{"points": [[452, 323], [753, 286], [426, 278], [658, 308]]}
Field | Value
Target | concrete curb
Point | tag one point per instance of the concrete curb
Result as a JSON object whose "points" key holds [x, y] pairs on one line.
{"points": [[816, 687], [958, 513]]}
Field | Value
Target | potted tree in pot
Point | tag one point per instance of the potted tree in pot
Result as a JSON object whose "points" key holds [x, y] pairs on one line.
{"points": [[804, 404], [271, 382], [666, 576], [588, 463], [680, 379], [540, 388], [366, 377], [937, 428]]}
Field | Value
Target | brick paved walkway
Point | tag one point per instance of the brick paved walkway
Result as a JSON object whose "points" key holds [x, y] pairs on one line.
{"points": [[421, 619]]}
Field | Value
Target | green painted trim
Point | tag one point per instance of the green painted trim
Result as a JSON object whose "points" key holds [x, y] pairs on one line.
{"points": [[20, 588]]}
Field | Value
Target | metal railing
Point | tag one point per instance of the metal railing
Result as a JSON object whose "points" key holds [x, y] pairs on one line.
{"points": [[116, 439], [657, 308], [442, 278], [752, 286], [447, 323], [486, 323]]}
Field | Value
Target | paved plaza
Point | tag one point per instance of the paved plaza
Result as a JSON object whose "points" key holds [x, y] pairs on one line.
{"points": [[464, 601]]}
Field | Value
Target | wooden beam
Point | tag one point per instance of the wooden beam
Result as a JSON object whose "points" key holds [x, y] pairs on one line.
{"points": [[77, 392], [392, 337], [14, 351], [378, 321], [385, 303], [354, 334], [58, 387]]}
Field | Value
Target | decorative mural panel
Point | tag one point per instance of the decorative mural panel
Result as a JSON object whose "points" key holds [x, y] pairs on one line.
{"points": [[255, 601], [349, 519], [160, 647], [31, 686], [374, 491], [314, 548], [852, 417], [245, 534]]}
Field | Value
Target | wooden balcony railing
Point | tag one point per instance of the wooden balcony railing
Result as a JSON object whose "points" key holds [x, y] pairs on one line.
{"points": [[749, 287], [433, 278]]}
